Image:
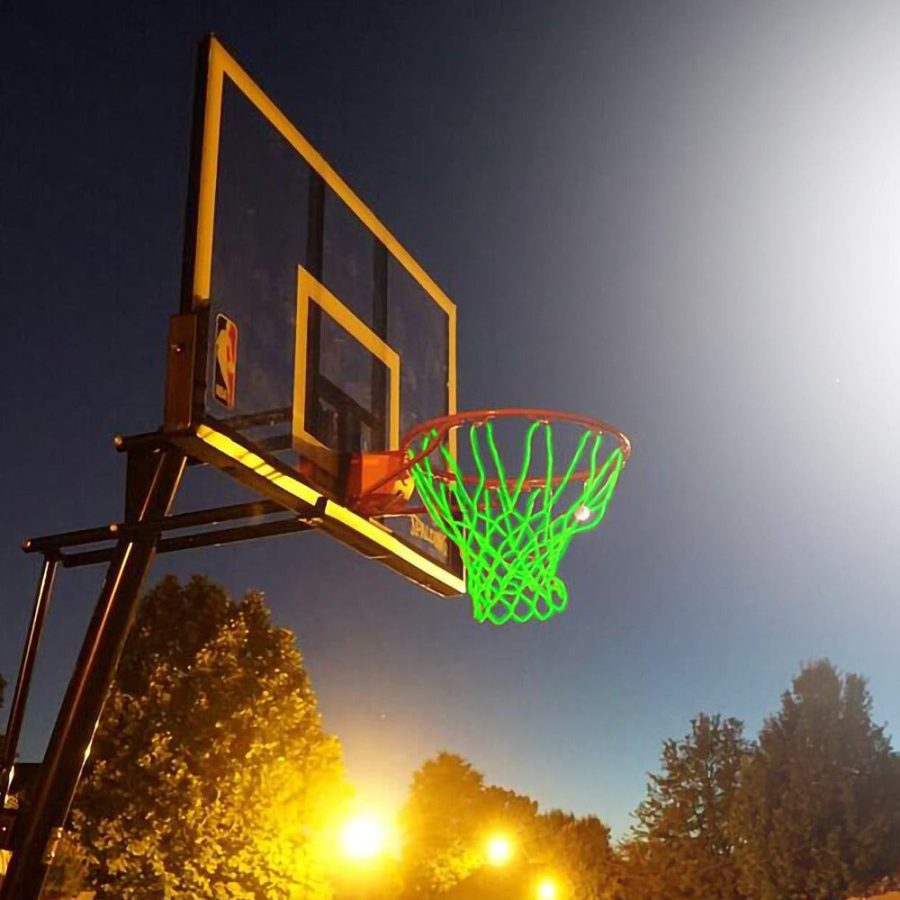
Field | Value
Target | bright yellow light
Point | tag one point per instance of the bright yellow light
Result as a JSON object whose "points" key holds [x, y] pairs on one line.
{"points": [[499, 850], [547, 889], [363, 837]]}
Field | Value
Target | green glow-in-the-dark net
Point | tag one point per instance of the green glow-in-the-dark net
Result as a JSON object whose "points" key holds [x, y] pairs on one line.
{"points": [[513, 530]]}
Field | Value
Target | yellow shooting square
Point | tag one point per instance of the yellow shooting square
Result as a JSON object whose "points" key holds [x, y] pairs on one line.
{"points": [[311, 290]]}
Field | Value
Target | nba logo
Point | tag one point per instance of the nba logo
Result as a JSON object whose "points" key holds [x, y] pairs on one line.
{"points": [[225, 379]]}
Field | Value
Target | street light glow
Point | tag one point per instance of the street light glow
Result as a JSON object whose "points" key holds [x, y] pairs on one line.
{"points": [[363, 837], [499, 850], [547, 889]]}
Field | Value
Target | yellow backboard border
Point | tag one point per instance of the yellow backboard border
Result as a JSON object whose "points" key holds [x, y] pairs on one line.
{"points": [[369, 536], [311, 290]]}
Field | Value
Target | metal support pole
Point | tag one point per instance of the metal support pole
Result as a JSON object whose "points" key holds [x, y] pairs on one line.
{"points": [[26, 669], [37, 833]]}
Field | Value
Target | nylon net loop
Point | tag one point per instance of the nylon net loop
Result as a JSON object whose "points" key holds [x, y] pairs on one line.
{"points": [[513, 528]]}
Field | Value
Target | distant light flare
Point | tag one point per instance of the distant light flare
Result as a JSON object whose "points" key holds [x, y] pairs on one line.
{"points": [[547, 889], [499, 850], [363, 838]]}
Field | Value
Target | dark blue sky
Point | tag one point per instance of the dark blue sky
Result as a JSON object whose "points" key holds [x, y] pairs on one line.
{"points": [[684, 218]]}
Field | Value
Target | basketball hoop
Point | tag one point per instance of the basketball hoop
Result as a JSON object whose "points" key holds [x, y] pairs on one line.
{"points": [[513, 530]]}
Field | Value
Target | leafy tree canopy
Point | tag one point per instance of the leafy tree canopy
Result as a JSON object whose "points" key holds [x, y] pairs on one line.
{"points": [[450, 817], [210, 774], [818, 811], [681, 846]]}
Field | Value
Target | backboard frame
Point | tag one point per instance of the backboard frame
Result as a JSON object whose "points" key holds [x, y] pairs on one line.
{"points": [[212, 441]]}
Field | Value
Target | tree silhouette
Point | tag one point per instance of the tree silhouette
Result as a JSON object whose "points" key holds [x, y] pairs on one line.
{"points": [[818, 811], [449, 818], [681, 846]]}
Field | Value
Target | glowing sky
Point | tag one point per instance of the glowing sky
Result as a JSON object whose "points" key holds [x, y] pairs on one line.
{"points": [[683, 218]]}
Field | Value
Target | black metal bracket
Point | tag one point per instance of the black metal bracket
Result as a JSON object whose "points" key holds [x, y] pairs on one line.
{"points": [[73, 549]]}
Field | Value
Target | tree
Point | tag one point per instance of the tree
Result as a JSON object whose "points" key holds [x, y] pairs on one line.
{"points": [[450, 816], [578, 849], [210, 774], [681, 847], [818, 811], [447, 820]]}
